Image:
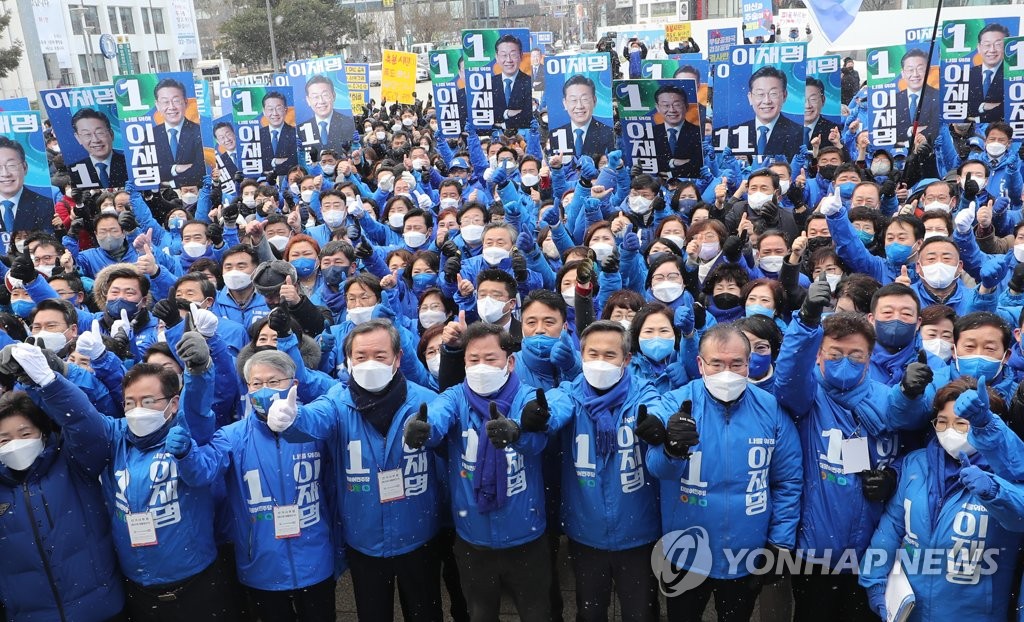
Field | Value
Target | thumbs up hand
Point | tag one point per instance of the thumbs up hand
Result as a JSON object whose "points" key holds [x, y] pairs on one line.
{"points": [[90, 343], [290, 293], [819, 296], [831, 204], [681, 432], [965, 219], [535, 414], [649, 428], [977, 480], [917, 377], [501, 430], [904, 276], [281, 414], [973, 405], [417, 429]]}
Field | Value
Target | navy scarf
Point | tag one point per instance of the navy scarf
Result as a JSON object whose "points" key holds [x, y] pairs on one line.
{"points": [[152, 439], [379, 408], [335, 301], [490, 481], [602, 409]]}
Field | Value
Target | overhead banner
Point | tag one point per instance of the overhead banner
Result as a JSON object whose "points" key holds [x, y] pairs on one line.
{"points": [[1013, 84], [84, 120], [357, 75], [185, 29], [52, 33], [264, 120], [26, 186], [448, 79], [160, 125], [763, 109], [578, 89], [498, 72], [757, 19], [720, 40], [661, 126], [883, 93], [972, 68], [323, 109]]}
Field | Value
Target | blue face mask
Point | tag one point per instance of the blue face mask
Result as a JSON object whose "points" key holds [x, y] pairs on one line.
{"points": [[897, 253], [22, 308], [759, 365], [844, 374], [304, 266], [865, 236], [685, 205], [263, 398], [895, 334], [423, 282], [335, 275], [115, 306], [539, 345], [176, 223], [978, 366], [753, 310], [657, 348], [846, 191]]}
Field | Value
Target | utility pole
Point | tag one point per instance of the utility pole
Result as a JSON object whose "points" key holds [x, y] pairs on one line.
{"points": [[88, 43], [273, 45]]}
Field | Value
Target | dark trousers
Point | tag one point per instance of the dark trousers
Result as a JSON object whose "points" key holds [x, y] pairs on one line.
{"points": [[450, 574], [630, 572], [837, 598], [524, 571], [734, 600], [308, 604], [203, 596], [418, 574]]}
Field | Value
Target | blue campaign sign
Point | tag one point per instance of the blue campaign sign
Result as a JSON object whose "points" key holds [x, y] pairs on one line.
{"points": [[88, 130]]}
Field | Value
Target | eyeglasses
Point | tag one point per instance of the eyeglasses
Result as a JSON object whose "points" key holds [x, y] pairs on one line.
{"points": [[176, 101], [146, 402], [673, 277], [88, 136], [856, 357], [364, 298], [771, 96], [959, 425], [272, 383], [11, 167]]}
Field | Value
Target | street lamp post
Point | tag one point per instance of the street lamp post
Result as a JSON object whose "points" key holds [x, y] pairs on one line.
{"points": [[88, 41], [273, 45]]}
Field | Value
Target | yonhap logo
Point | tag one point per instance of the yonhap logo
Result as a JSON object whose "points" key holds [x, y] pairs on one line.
{"points": [[681, 560]]}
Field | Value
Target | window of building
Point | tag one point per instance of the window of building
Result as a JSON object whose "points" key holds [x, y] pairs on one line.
{"points": [[187, 64], [127, 20], [92, 19], [112, 18], [158, 61], [99, 68], [158, 21]]}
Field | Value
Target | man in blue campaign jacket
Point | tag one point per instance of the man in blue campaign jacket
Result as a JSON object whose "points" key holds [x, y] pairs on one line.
{"points": [[286, 566], [609, 500], [388, 493], [168, 554], [494, 471], [740, 485], [847, 424], [59, 561], [981, 347], [954, 525]]}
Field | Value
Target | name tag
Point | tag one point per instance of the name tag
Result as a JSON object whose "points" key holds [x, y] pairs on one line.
{"points": [[141, 529], [855, 456], [286, 521], [391, 485]]}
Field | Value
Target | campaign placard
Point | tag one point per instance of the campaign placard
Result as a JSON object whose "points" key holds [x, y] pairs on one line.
{"points": [[677, 32], [972, 68], [498, 73], [225, 154], [160, 125], [660, 126], [358, 77], [1013, 84], [682, 67], [883, 92], [448, 79], [84, 120], [757, 19], [323, 110], [578, 90], [15, 103], [26, 199], [720, 40], [204, 103], [763, 109], [823, 109], [264, 120], [398, 77]]}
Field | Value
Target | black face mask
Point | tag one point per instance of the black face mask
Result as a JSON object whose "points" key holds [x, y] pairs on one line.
{"points": [[820, 241], [828, 171], [726, 301]]}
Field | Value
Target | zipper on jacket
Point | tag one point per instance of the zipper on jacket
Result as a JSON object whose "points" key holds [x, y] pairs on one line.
{"points": [[42, 552], [287, 543]]}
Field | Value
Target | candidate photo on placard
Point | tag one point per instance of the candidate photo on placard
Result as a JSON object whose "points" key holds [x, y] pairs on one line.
{"points": [[277, 136], [913, 100], [985, 93], [226, 153], [331, 127], [579, 104], [513, 90], [26, 202], [773, 133], [179, 142], [678, 134], [498, 69], [84, 120]]}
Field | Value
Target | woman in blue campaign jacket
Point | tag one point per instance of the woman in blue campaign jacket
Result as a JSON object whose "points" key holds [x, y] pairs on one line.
{"points": [[954, 525], [713, 488], [59, 561]]}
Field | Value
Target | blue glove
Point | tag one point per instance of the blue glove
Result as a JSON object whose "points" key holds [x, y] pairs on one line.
{"points": [[552, 217], [876, 600], [684, 319], [207, 181], [993, 270], [676, 373], [615, 159], [588, 170], [974, 406], [979, 482], [630, 241], [356, 138], [593, 209], [327, 341], [563, 353], [526, 242], [178, 442], [499, 175], [534, 126], [1000, 205]]}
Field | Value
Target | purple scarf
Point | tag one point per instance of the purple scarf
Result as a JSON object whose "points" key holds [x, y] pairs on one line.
{"points": [[602, 409], [490, 480]]}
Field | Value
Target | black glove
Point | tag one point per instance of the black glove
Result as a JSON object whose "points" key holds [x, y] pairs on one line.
{"points": [[167, 310], [417, 430], [819, 296], [917, 377], [193, 351], [501, 430], [535, 414], [681, 432], [888, 189], [215, 232], [971, 188], [734, 246], [610, 265], [230, 212], [364, 250], [878, 484], [450, 249], [649, 428], [1017, 280], [76, 227], [585, 272], [700, 316], [127, 221], [238, 178], [769, 212], [23, 269], [271, 178], [452, 267], [8, 365], [777, 571], [76, 195], [280, 321], [519, 270]]}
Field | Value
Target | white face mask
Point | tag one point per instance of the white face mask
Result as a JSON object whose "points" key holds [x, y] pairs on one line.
{"points": [[193, 249], [359, 315], [994, 149], [381, 135], [709, 250], [371, 375], [250, 203], [939, 275], [334, 218], [307, 196], [602, 250], [981, 181], [881, 167], [46, 271], [396, 220], [937, 206], [569, 296], [756, 200], [396, 126], [954, 442], [430, 318], [419, 164], [189, 198], [667, 291], [939, 347], [408, 121], [772, 263], [626, 323], [490, 309], [494, 255], [51, 341], [434, 365], [294, 188], [784, 186], [328, 169], [414, 239], [677, 240], [601, 375], [144, 421], [472, 233], [726, 386], [450, 203], [19, 454], [1018, 252], [640, 204], [833, 281], [486, 380], [278, 241], [236, 279], [934, 234], [530, 180]]}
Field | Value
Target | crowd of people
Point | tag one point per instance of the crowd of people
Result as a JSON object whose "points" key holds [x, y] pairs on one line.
{"points": [[431, 362]]}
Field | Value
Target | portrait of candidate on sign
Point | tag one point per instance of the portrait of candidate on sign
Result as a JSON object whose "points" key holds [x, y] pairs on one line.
{"points": [[84, 119]]}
